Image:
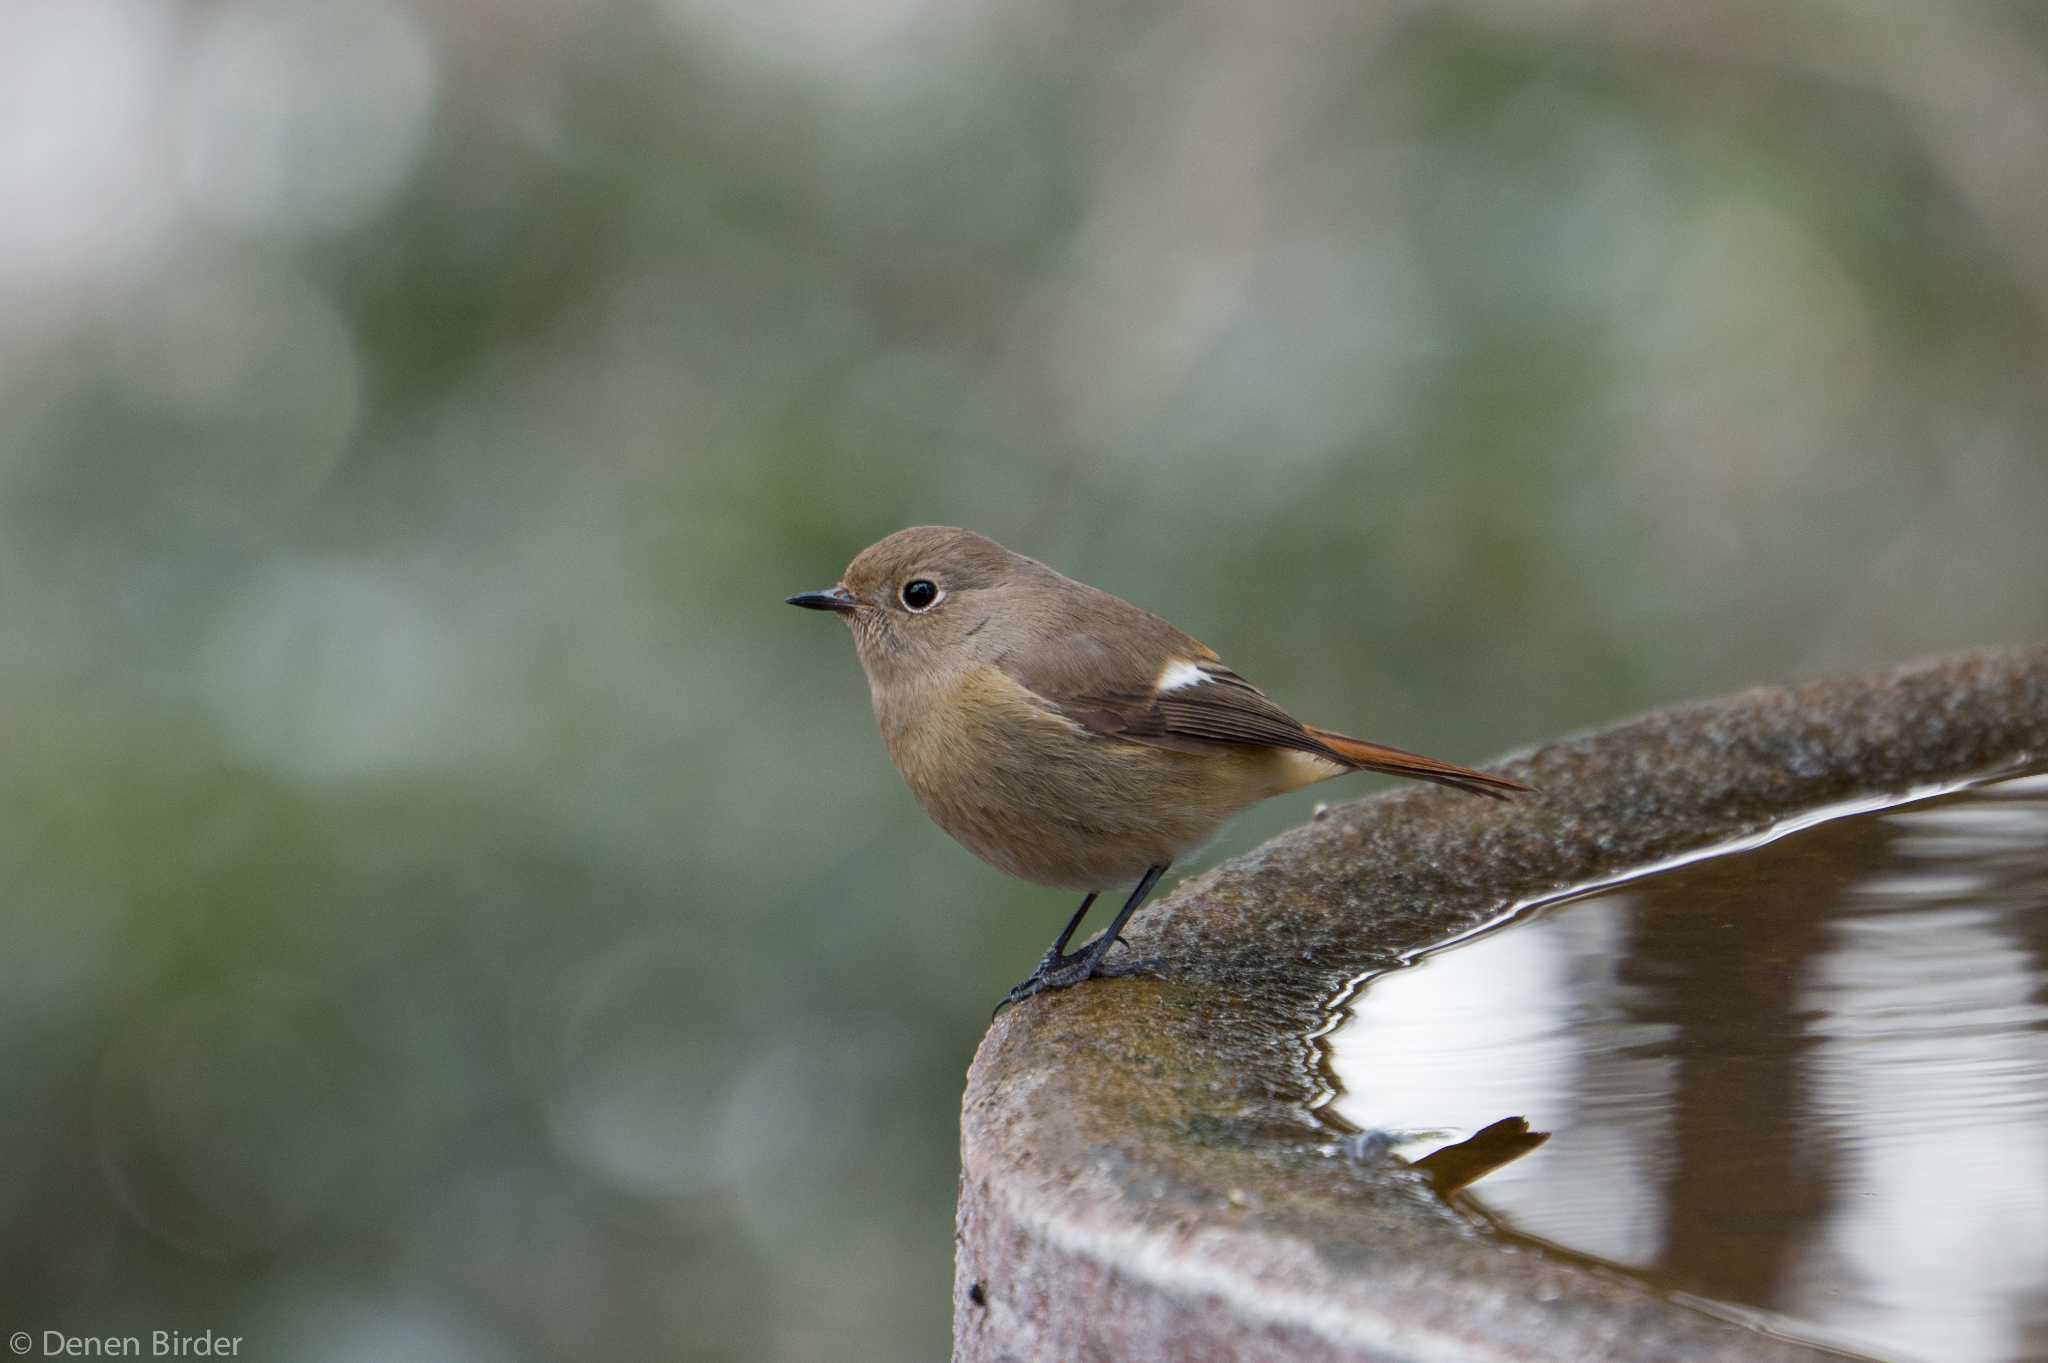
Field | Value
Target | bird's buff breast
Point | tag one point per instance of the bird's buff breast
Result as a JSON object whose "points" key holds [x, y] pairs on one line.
{"points": [[1040, 797]]}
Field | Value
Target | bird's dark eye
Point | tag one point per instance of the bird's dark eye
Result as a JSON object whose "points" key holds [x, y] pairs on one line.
{"points": [[919, 594]]}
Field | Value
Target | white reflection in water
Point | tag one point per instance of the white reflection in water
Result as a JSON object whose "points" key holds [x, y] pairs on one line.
{"points": [[1931, 1076], [1807, 1078], [1465, 1038]]}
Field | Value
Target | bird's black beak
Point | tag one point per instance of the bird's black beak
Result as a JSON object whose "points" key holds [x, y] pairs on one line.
{"points": [[838, 599]]}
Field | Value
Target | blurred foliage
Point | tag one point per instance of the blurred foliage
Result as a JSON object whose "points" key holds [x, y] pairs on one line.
{"points": [[458, 912]]}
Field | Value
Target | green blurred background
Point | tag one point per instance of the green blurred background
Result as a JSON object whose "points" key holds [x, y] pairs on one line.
{"points": [[456, 911]]}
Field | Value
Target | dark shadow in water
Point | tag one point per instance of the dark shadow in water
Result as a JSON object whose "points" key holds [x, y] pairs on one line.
{"points": [[1725, 986]]}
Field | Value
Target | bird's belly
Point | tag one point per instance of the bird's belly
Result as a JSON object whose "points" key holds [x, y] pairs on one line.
{"points": [[1046, 801]]}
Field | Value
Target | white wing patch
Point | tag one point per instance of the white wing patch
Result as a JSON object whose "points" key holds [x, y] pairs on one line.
{"points": [[1180, 674]]}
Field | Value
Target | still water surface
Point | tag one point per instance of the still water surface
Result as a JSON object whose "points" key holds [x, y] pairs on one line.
{"points": [[1808, 1080]]}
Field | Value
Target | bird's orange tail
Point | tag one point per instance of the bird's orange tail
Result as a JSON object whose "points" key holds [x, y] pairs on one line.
{"points": [[1363, 756]]}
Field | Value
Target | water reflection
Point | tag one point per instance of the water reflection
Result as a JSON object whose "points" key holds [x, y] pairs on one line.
{"points": [[1809, 1079], [1457, 1167]]}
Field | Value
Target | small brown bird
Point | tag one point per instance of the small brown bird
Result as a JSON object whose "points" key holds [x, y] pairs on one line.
{"points": [[1066, 736]]}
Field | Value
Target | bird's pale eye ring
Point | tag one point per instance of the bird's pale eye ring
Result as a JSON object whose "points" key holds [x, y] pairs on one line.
{"points": [[920, 595]]}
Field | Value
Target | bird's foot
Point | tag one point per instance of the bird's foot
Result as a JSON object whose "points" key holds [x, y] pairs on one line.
{"points": [[1064, 972], [1054, 972]]}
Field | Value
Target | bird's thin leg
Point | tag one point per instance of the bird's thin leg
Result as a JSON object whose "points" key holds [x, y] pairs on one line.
{"points": [[1058, 951], [1058, 970], [1113, 934], [1055, 958]]}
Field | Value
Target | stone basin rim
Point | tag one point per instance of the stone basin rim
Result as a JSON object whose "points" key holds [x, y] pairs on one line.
{"points": [[1140, 1166]]}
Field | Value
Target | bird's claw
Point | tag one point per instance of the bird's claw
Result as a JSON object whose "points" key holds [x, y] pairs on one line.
{"points": [[1054, 972], [1064, 972]]}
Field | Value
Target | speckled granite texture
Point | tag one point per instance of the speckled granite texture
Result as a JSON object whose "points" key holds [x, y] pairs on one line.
{"points": [[1141, 1177]]}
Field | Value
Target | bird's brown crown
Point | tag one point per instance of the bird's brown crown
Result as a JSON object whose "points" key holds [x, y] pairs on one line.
{"points": [[955, 559]]}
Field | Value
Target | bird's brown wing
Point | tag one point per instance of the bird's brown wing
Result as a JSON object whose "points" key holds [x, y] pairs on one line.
{"points": [[1217, 707], [1114, 684], [1154, 685]]}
